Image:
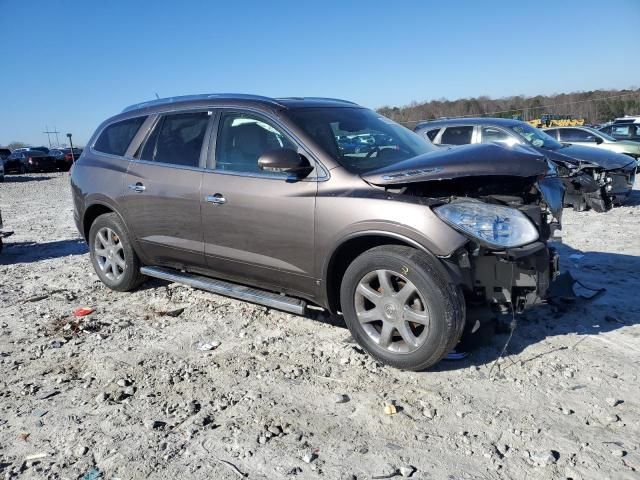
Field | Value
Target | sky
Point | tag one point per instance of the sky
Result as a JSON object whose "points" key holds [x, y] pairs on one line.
{"points": [[72, 64]]}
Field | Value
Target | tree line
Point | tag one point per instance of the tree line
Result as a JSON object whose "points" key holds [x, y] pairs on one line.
{"points": [[595, 106]]}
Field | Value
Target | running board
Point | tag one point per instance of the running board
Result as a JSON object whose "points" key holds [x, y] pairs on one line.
{"points": [[241, 292]]}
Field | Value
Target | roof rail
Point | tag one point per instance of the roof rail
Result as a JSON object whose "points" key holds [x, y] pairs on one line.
{"points": [[319, 98], [202, 97]]}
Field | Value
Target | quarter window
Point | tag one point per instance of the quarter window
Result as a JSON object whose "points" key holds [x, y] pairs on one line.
{"points": [[242, 139], [457, 135], [115, 139], [177, 139], [431, 134]]}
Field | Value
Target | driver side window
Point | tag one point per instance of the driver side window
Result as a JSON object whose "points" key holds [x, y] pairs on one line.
{"points": [[575, 135], [242, 139], [496, 135]]}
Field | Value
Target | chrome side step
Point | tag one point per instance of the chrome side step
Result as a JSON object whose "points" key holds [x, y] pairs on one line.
{"points": [[241, 292]]}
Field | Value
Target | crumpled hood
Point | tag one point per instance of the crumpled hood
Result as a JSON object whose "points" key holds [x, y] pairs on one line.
{"points": [[576, 154], [463, 161]]}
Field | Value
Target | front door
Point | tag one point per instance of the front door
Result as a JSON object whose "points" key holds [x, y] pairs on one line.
{"points": [[162, 185], [258, 225]]}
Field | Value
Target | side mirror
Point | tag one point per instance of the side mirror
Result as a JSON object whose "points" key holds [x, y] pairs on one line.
{"points": [[285, 160], [598, 140]]}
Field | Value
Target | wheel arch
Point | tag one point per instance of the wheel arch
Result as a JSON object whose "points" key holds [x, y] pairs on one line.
{"points": [[92, 212], [350, 248]]}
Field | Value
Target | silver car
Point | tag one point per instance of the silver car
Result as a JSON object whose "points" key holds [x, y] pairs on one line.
{"points": [[590, 137]]}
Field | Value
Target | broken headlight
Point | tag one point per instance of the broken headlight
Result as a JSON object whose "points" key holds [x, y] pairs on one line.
{"points": [[494, 225]]}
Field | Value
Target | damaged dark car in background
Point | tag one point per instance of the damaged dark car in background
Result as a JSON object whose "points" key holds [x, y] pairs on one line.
{"points": [[594, 178]]}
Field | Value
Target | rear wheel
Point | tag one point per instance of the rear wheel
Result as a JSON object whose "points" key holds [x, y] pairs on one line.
{"points": [[112, 255], [400, 307]]}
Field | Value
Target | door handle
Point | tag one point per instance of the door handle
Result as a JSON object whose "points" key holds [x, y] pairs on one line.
{"points": [[216, 199], [137, 187]]}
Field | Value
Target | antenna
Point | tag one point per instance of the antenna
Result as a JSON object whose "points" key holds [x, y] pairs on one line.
{"points": [[157, 96], [49, 132]]}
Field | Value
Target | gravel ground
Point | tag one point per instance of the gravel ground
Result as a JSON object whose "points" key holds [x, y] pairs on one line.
{"points": [[131, 391]]}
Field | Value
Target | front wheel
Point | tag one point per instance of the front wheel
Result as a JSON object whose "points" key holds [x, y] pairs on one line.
{"points": [[112, 255], [400, 307]]}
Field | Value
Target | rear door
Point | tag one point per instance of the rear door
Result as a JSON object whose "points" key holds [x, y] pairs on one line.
{"points": [[258, 225], [162, 190]]}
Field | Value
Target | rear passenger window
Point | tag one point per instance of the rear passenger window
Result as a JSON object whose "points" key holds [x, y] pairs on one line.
{"points": [[115, 139], [457, 135], [177, 139]]}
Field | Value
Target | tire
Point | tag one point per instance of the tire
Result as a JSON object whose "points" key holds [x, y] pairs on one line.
{"points": [[23, 170], [2, 179], [437, 306], [119, 271]]}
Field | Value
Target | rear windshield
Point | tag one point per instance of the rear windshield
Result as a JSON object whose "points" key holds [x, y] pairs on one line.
{"points": [[115, 139], [358, 138]]}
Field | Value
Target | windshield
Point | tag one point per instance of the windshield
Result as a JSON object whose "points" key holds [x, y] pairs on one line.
{"points": [[359, 139], [536, 137]]}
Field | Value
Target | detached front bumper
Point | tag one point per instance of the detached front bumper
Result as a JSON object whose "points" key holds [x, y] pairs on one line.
{"points": [[514, 278]]}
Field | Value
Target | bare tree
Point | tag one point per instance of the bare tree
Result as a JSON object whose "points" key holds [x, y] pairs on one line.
{"points": [[595, 106], [13, 145]]}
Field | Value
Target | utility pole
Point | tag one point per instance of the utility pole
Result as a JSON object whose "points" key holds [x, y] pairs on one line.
{"points": [[73, 159], [49, 132]]}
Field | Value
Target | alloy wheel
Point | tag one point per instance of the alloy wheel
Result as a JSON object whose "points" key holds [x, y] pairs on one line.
{"points": [[392, 311], [109, 253]]}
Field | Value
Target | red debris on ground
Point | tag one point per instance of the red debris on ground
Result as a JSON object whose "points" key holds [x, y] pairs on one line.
{"points": [[83, 311]]}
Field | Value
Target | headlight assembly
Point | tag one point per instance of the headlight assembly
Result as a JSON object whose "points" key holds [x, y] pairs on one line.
{"points": [[494, 225]]}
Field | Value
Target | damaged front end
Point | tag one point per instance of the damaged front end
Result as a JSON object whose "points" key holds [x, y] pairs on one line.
{"points": [[598, 186], [507, 264], [508, 203]]}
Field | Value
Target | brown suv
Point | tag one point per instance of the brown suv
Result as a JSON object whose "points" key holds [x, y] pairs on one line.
{"points": [[295, 200]]}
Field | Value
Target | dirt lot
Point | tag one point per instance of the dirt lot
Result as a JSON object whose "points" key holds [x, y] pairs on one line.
{"points": [[126, 393]]}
